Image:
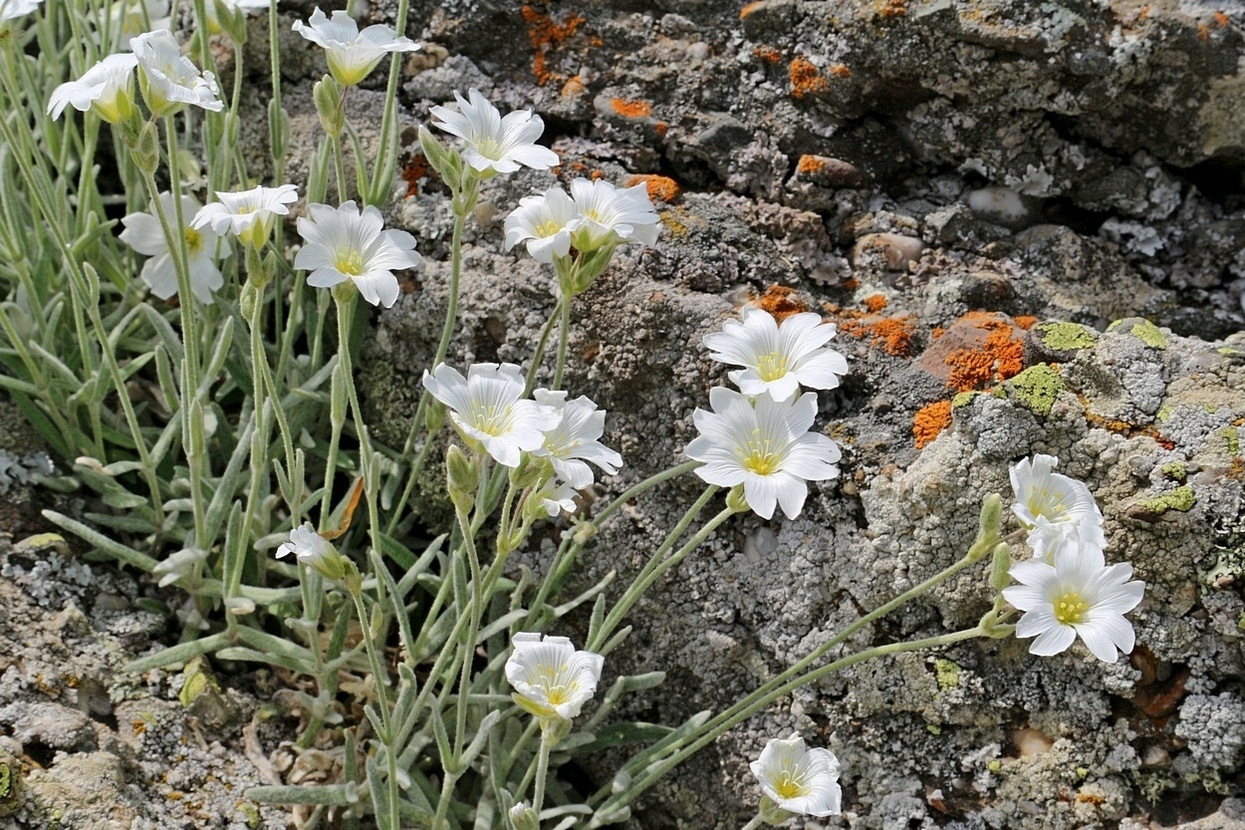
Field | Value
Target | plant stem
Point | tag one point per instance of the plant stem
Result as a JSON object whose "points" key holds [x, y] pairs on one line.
{"points": [[473, 627], [542, 771], [382, 704], [564, 335], [541, 345], [756, 822]]}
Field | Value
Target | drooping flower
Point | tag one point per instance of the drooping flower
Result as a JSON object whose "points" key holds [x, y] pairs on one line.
{"points": [[767, 448], [778, 359], [609, 217], [1054, 507], [576, 439], [351, 54], [107, 87], [798, 780], [551, 679], [544, 223], [1077, 594], [248, 214], [495, 144], [168, 79], [204, 248], [13, 9], [348, 244], [487, 409], [314, 551]]}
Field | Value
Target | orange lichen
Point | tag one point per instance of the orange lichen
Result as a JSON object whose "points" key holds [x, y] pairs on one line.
{"points": [[750, 8], [892, 334], [893, 8], [840, 70], [660, 128], [937, 331], [1203, 32], [661, 188], [805, 79], [631, 109], [1222, 19], [768, 54], [412, 172], [810, 164], [930, 421], [544, 35], [781, 302], [999, 357], [573, 86], [1025, 321], [875, 303]]}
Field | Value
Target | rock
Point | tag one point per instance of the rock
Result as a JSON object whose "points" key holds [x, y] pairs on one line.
{"points": [[50, 724]]}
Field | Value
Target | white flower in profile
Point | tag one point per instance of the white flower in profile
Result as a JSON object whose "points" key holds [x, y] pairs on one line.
{"points": [[1075, 595], [314, 551], [247, 214], [351, 54], [13, 9], [488, 410], [551, 679], [348, 244], [554, 497], [168, 79], [767, 448], [204, 248], [107, 87], [778, 359], [609, 216], [1054, 507], [798, 780], [543, 222], [576, 439], [495, 144], [132, 18]]}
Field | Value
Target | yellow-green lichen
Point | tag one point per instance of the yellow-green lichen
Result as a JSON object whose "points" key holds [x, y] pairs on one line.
{"points": [[1164, 413], [1233, 439], [10, 786], [1181, 499], [963, 399], [947, 673], [1175, 471], [1143, 330], [934, 729], [995, 766], [1066, 337], [1037, 388]]}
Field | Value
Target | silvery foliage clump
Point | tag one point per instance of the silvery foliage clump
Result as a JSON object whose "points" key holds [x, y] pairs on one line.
{"points": [[213, 432]]}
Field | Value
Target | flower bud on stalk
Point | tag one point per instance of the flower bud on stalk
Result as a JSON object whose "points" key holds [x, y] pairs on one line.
{"points": [[462, 473], [327, 95]]}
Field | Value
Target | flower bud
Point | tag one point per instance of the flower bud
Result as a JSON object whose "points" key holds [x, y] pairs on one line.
{"points": [[462, 475], [436, 153], [278, 129], [146, 149], [1000, 567], [327, 95], [523, 817], [249, 299], [434, 416], [736, 500], [988, 522]]}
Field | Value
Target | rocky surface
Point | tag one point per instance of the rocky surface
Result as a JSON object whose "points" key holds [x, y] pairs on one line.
{"points": [[1026, 219]]}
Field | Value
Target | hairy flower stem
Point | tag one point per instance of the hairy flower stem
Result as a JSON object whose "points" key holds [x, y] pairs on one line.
{"points": [[564, 336], [756, 822], [468, 644], [542, 771], [367, 455], [382, 705], [387, 153], [659, 564], [541, 345]]}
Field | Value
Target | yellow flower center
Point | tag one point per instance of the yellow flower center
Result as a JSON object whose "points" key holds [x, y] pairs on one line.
{"points": [[349, 263], [1047, 503], [789, 785], [490, 148], [772, 366], [194, 241], [548, 228], [1070, 608], [557, 689], [761, 457], [489, 419]]}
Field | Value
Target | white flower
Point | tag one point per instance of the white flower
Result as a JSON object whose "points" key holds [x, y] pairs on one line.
{"points": [[799, 780], [487, 409], [768, 449], [351, 54], [1076, 595], [247, 214], [576, 439], [204, 248], [131, 19], [609, 216], [168, 79], [310, 547], [543, 222], [106, 87], [494, 143], [13, 9], [1054, 507], [550, 678], [554, 497], [349, 244], [778, 359]]}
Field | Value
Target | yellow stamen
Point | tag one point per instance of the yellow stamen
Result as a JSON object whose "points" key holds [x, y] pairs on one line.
{"points": [[761, 457], [349, 263], [772, 366], [1070, 608]]}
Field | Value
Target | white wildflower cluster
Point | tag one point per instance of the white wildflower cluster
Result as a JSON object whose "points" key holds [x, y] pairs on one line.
{"points": [[1067, 590], [491, 413], [759, 438]]}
